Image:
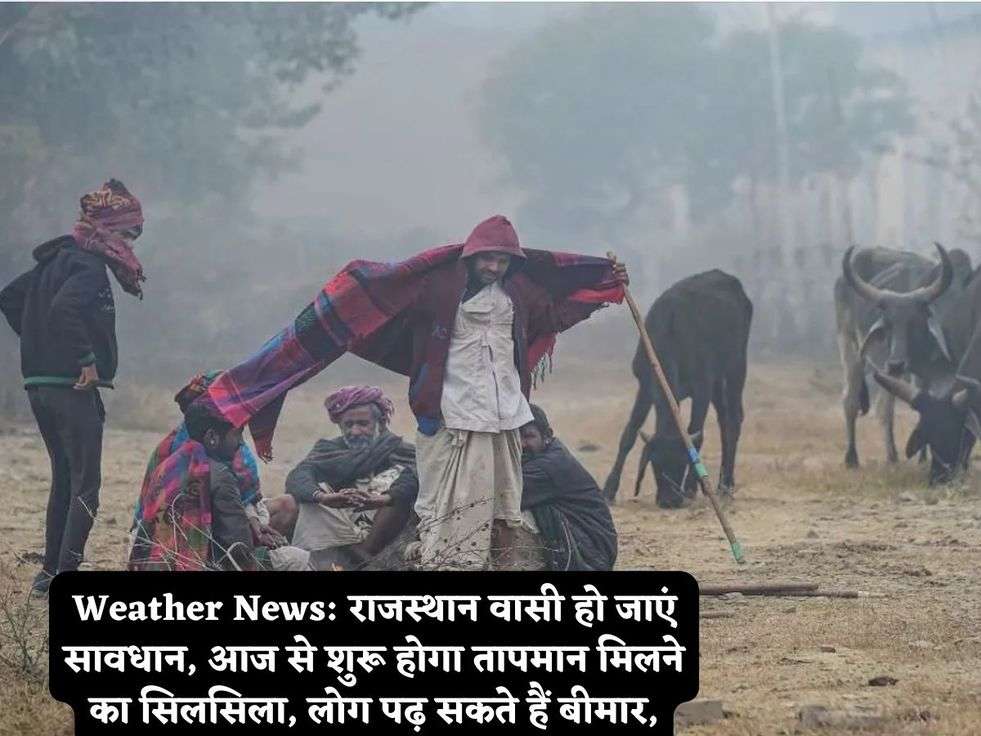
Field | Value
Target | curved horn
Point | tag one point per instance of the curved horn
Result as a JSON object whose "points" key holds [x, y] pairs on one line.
{"points": [[864, 288], [896, 386], [972, 384], [959, 399], [932, 292], [972, 388]]}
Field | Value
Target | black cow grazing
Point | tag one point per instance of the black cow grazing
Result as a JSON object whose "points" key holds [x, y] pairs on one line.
{"points": [[888, 306], [949, 416], [700, 329]]}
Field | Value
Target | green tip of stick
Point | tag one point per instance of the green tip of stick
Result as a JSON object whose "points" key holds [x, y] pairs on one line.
{"points": [[737, 552]]}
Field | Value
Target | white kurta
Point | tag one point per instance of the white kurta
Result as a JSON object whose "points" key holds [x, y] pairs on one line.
{"points": [[481, 384]]}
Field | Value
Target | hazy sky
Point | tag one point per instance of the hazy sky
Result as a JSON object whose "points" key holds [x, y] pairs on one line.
{"points": [[396, 146]]}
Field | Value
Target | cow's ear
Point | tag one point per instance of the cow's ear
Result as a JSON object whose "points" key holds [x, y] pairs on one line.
{"points": [[876, 332], [915, 443], [973, 423], [938, 334]]}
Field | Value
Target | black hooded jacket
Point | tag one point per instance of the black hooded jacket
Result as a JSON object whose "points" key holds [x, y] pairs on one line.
{"points": [[65, 315]]}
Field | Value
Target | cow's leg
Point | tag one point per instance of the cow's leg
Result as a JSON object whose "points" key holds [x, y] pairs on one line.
{"points": [[967, 447], [720, 400], [728, 403], [885, 412], [642, 406], [851, 407], [645, 459], [855, 391], [699, 410]]}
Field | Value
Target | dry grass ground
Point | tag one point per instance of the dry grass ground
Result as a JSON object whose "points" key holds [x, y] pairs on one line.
{"points": [[798, 512]]}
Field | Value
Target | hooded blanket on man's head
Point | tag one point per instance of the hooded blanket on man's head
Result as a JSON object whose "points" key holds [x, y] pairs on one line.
{"points": [[371, 310]]}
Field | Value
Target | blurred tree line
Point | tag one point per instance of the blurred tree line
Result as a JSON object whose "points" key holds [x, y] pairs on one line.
{"points": [[601, 119], [594, 113], [645, 127], [189, 104]]}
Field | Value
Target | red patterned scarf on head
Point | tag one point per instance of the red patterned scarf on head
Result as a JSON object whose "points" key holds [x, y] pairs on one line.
{"points": [[106, 213], [194, 389], [350, 396]]}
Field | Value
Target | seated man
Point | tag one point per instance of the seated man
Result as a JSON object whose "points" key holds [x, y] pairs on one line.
{"points": [[568, 508], [191, 512], [351, 496], [243, 465]]}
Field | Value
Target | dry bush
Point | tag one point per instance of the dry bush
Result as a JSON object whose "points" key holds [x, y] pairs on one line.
{"points": [[23, 637]]}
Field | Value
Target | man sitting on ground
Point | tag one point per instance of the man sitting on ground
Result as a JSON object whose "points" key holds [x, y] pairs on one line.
{"points": [[352, 495], [191, 515], [569, 511], [243, 465]]}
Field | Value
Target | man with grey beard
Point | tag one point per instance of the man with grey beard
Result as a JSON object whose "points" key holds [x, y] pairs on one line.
{"points": [[351, 495]]}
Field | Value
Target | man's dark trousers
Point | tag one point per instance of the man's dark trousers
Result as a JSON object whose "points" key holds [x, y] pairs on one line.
{"points": [[71, 426]]}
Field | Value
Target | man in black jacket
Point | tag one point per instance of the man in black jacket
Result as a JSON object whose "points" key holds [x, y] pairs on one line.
{"points": [[64, 313], [570, 513]]}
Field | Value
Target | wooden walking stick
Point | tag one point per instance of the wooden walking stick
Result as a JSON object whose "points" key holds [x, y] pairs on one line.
{"points": [[696, 462]]}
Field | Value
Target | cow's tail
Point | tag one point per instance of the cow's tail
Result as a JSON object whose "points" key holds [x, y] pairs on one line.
{"points": [[863, 397]]}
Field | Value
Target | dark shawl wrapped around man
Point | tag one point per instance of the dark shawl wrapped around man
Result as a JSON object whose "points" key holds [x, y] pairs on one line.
{"points": [[573, 518]]}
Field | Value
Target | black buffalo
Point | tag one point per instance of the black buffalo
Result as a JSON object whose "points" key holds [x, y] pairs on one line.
{"points": [[700, 329], [888, 308], [949, 415]]}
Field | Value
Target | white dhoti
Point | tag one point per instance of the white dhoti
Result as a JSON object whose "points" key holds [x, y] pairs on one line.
{"points": [[466, 480], [319, 527]]}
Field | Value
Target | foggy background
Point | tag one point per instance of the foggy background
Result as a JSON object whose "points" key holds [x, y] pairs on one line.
{"points": [[272, 144]]}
